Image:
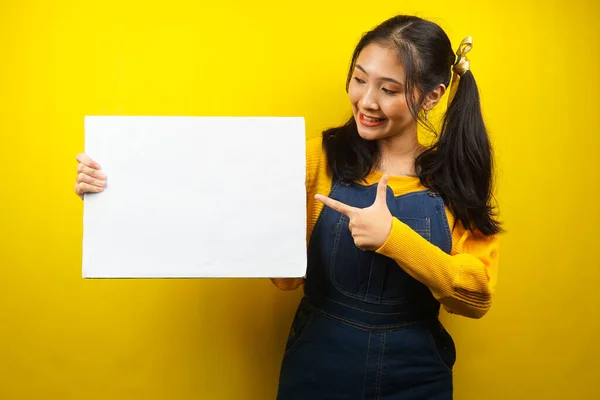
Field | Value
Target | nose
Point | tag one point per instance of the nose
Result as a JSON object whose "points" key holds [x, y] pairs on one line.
{"points": [[369, 100]]}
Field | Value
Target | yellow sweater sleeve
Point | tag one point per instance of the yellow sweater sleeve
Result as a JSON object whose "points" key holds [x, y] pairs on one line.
{"points": [[317, 179], [462, 281]]}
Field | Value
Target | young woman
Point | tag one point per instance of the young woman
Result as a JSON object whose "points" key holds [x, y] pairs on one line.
{"points": [[395, 229]]}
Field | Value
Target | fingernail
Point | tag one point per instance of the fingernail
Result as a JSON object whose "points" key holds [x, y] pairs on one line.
{"points": [[101, 175]]}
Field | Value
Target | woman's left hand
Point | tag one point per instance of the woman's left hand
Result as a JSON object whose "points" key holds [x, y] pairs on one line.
{"points": [[371, 226]]}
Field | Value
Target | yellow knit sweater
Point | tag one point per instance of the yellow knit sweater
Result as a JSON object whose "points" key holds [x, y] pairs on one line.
{"points": [[463, 281]]}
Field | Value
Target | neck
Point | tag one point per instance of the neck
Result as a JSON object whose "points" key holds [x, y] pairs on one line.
{"points": [[398, 154]]}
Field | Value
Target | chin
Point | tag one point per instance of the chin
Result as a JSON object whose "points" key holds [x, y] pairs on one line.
{"points": [[369, 134]]}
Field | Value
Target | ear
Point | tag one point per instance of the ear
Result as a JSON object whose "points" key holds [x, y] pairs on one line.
{"points": [[433, 97]]}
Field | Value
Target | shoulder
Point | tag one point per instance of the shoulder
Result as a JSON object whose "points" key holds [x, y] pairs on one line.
{"points": [[314, 149], [316, 161]]}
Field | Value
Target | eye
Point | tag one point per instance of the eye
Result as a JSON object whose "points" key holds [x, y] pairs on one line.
{"points": [[387, 91], [358, 80]]}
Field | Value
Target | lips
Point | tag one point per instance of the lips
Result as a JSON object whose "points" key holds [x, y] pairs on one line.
{"points": [[370, 121]]}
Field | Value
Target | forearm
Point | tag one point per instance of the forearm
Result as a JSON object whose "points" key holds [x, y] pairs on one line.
{"points": [[464, 283]]}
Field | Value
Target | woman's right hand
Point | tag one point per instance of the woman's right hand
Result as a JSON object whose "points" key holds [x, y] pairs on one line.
{"points": [[89, 177]]}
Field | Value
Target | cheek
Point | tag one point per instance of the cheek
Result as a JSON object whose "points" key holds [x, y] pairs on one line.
{"points": [[396, 109], [354, 94]]}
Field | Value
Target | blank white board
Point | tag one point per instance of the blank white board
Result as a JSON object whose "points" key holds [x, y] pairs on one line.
{"points": [[196, 197]]}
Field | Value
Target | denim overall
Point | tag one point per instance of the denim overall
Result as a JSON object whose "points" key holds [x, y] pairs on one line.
{"points": [[365, 329]]}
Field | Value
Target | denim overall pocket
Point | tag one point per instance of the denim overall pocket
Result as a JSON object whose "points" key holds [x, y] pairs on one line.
{"points": [[443, 346], [302, 319]]}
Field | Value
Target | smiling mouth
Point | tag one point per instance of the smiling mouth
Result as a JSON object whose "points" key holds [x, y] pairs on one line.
{"points": [[370, 121]]}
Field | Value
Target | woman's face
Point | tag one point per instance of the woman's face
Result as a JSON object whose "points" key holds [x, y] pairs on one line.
{"points": [[377, 94]]}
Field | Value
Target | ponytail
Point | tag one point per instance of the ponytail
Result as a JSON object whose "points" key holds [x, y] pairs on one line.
{"points": [[459, 166]]}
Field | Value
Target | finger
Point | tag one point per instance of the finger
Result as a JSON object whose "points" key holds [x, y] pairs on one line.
{"points": [[87, 188], [94, 173], [381, 197], [78, 191], [87, 160], [351, 226], [83, 178], [359, 243], [336, 205]]}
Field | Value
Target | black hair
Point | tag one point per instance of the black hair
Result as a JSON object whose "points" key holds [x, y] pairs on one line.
{"points": [[459, 165]]}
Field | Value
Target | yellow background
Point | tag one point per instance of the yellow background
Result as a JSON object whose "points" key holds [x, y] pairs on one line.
{"points": [[62, 337]]}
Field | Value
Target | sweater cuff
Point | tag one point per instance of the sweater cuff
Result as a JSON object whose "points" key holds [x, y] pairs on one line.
{"points": [[394, 245]]}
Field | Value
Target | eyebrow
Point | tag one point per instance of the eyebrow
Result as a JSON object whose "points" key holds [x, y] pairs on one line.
{"points": [[383, 78]]}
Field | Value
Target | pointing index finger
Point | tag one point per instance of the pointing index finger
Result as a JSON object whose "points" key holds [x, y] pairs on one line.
{"points": [[336, 205]]}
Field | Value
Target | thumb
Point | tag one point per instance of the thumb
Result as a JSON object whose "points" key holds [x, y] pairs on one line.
{"points": [[381, 197]]}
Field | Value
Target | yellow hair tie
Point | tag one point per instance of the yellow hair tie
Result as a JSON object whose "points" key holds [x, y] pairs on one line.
{"points": [[461, 66]]}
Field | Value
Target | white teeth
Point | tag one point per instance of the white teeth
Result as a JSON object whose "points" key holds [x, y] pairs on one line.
{"points": [[371, 119]]}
